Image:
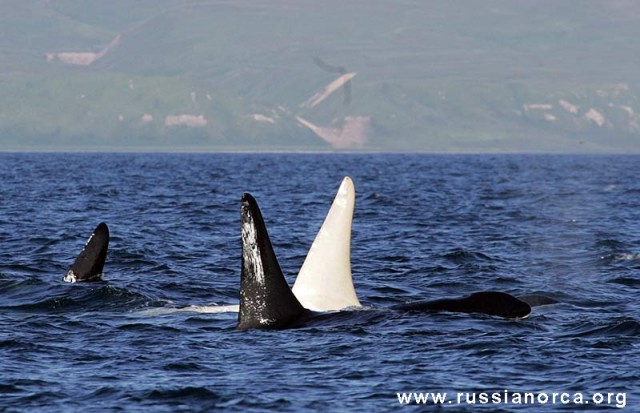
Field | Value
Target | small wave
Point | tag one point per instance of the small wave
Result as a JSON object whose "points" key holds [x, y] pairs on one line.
{"points": [[627, 327], [9, 388], [148, 328], [396, 259], [618, 257], [10, 344], [502, 280], [85, 296], [610, 243], [182, 366], [536, 300], [189, 393], [376, 199], [53, 304], [208, 309], [628, 281], [460, 256], [105, 392], [8, 282]]}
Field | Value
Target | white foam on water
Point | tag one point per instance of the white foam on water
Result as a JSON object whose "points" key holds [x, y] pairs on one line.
{"points": [[202, 309]]}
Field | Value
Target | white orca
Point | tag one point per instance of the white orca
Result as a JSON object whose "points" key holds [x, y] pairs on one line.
{"points": [[89, 265], [266, 302], [324, 282]]}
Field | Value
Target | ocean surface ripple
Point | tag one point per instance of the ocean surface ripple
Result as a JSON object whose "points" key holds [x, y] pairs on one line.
{"points": [[425, 226]]}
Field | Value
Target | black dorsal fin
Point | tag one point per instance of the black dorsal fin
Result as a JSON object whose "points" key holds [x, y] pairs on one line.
{"points": [[89, 265], [266, 301]]}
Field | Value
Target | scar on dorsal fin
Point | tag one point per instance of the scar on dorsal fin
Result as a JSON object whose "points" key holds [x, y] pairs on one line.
{"points": [[266, 301]]}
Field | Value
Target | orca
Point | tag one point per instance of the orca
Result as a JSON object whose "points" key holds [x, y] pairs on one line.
{"points": [[324, 282], [89, 265], [486, 302], [267, 302]]}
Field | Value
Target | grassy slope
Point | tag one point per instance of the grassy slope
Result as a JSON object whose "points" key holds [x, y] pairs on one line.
{"points": [[439, 76]]}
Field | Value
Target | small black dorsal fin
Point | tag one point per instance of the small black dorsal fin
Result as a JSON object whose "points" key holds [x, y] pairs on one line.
{"points": [[266, 301], [89, 265]]}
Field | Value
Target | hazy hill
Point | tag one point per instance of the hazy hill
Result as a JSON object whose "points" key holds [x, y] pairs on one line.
{"points": [[456, 75]]}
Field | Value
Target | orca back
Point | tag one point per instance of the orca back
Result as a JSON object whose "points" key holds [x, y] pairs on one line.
{"points": [[486, 302]]}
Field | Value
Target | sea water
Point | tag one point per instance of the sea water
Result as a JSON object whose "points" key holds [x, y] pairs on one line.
{"points": [[425, 227]]}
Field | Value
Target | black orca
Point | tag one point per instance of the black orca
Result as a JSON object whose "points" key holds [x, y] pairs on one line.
{"points": [[89, 265], [486, 302], [267, 302]]}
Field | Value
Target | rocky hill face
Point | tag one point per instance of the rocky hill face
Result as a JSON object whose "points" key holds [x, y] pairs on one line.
{"points": [[413, 75]]}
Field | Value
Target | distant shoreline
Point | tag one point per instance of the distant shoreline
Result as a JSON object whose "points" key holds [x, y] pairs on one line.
{"points": [[178, 150]]}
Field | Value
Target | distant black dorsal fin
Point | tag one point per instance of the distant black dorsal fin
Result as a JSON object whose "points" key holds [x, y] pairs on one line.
{"points": [[266, 301], [89, 264]]}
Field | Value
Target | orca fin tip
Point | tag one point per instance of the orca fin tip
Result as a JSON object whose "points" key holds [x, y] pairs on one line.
{"points": [[102, 227]]}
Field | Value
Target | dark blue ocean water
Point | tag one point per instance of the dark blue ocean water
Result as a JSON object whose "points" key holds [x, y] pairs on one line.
{"points": [[425, 226]]}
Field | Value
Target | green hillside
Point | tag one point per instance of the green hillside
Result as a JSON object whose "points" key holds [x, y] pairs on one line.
{"points": [[211, 75]]}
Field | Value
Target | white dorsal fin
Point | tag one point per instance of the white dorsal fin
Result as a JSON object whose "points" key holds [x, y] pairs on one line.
{"points": [[324, 282]]}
